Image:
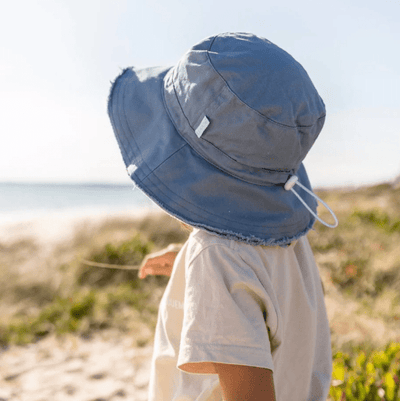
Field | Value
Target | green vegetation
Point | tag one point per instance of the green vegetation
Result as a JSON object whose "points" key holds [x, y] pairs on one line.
{"points": [[367, 375], [86, 299], [359, 263]]}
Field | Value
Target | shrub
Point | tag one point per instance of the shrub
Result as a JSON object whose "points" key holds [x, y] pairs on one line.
{"points": [[366, 375]]}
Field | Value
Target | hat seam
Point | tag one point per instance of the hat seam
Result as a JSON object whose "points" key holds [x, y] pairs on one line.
{"points": [[139, 155], [288, 171], [283, 170], [164, 161], [148, 176], [251, 239], [251, 108]]}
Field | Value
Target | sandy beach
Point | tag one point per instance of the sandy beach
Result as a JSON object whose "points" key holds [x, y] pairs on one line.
{"points": [[108, 365]]}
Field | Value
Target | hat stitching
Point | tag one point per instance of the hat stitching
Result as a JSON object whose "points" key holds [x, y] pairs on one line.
{"points": [[203, 138], [262, 115], [218, 149], [280, 170], [288, 171], [149, 177], [155, 168], [142, 161], [252, 239], [139, 156]]}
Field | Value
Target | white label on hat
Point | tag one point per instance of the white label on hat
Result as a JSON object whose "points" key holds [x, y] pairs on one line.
{"points": [[205, 122]]}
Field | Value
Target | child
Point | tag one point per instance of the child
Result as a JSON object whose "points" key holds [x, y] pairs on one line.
{"points": [[218, 142]]}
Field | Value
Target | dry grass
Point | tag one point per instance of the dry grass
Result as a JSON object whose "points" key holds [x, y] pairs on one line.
{"points": [[360, 265], [48, 290]]}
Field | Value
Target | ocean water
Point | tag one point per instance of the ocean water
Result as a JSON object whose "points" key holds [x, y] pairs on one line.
{"points": [[24, 199]]}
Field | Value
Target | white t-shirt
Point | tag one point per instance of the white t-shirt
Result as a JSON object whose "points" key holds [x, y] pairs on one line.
{"points": [[231, 302]]}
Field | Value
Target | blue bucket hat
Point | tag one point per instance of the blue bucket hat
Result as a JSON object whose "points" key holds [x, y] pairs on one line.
{"points": [[218, 140]]}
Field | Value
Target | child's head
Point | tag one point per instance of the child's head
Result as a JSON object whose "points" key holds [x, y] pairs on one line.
{"points": [[214, 139]]}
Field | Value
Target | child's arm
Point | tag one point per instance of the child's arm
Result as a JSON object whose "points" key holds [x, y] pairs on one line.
{"points": [[245, 383]]}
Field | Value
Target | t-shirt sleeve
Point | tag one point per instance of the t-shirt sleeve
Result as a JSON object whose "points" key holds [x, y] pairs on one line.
{"points": [[224, 316]]}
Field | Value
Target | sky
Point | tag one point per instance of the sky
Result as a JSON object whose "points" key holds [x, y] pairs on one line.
{"points": [[58, 58]]}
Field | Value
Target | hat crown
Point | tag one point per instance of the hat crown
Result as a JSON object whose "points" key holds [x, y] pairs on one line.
{"points": [[264, 113]]}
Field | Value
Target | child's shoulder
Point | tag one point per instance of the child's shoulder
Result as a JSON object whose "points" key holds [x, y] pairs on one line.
{"points": [[201, 240]]}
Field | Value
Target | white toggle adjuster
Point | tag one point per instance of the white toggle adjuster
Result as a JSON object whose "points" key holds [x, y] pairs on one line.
{"points": [[291, 182], [294, 180]]}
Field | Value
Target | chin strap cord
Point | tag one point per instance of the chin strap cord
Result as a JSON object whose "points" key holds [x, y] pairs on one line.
{"points": [[294, 180]]}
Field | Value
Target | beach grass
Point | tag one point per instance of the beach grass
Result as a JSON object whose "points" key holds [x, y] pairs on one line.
{"points": [[359, 263], [64, 295], [361, 257]]}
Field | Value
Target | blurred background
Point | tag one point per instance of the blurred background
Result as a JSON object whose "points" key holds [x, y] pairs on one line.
{"points": [[58, 58]]}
